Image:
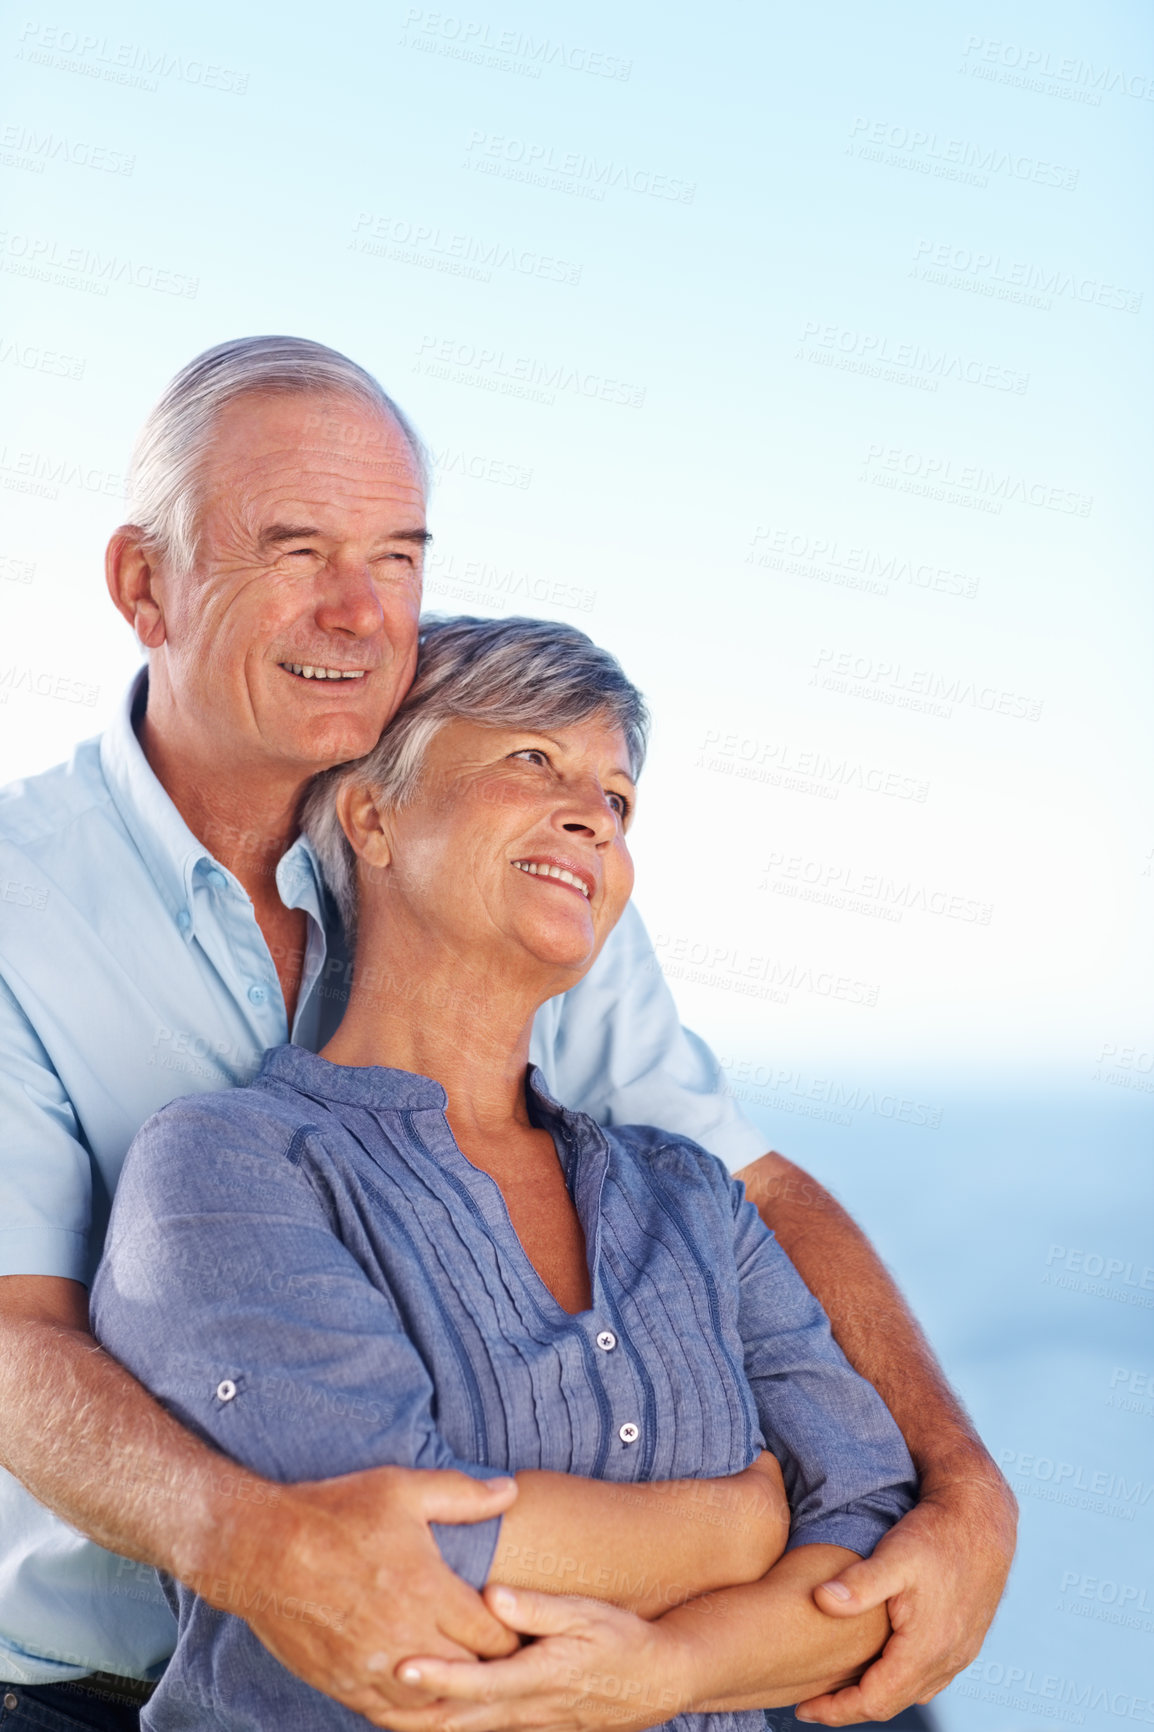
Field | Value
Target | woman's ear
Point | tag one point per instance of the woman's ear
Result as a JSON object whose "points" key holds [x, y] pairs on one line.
{"points": [[363, 823]]}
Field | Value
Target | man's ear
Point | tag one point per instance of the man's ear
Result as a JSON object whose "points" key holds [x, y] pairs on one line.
{"points": [[130, 572], [363, 824]]}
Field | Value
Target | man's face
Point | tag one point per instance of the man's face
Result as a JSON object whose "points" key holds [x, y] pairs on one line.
{"points": [[312, 533]]}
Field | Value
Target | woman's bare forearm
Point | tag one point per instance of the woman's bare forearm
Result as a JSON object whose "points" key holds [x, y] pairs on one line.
{"points": [[767, 1645], [642, 1547]]}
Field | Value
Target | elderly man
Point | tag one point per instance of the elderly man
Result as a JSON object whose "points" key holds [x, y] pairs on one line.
{"points": [[273, 574]]}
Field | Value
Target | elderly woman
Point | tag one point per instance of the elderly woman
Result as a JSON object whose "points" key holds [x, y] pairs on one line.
{"points": [[403, 1250]]}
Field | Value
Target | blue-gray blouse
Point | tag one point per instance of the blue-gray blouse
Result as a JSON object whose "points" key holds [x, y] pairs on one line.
{"points": [[310, 1275]]}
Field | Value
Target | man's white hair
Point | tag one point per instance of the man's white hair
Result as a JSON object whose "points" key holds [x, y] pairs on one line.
{"points": [[165, 474]]}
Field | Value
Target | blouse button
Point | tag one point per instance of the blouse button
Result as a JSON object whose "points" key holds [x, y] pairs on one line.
{"points": [[629, 1432], [607, 1341], [225, 1390]]}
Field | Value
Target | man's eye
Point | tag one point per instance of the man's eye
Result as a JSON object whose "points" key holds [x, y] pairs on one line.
{"points": [[619, 804]]}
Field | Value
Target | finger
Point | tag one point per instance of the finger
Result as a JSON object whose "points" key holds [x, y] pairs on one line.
{"points": [[445, 1495], [535, 1614], [465, 1620], [860, 1587], [880, 1693], [473, 1681]]}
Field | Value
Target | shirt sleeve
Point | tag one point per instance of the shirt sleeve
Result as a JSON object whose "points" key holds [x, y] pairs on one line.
{"points": [[614, 1047], [45, 1168], [847, 1472], [226, 1290]]}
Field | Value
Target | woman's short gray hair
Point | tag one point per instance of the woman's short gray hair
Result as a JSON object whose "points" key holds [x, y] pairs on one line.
{"points": [[531, 673], [164, 476]]}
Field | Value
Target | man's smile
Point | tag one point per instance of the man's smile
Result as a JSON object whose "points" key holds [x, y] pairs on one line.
{"points": [[306, 672]]}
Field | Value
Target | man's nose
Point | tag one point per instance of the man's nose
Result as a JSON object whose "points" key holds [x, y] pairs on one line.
{"points": [[349, 601]]}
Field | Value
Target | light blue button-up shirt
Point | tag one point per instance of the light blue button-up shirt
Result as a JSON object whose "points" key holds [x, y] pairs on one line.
{"points": [[132, 971]]}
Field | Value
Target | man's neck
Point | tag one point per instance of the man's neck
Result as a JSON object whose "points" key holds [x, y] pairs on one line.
{"points": [[245, 821]]}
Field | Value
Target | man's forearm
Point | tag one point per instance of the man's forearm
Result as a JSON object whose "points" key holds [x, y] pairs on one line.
{"points": [[870, 1320], [642, 1547], [112, 1462]]}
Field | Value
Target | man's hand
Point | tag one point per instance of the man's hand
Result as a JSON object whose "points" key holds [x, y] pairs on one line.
{"points": [[942, 1570], [341, 1579]]}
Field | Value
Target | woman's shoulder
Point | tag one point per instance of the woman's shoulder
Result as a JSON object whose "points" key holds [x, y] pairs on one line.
{"points": [[220, 1124], [659, 1155]]}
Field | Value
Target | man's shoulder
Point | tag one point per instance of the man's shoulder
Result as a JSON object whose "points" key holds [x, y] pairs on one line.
{"points": [[38, 809]]}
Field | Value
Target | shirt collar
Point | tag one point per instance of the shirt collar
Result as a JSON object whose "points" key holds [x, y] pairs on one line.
{"points": [[168, 847], [380, 1088]]}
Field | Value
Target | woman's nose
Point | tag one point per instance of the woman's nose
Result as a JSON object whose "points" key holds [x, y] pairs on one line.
{"points": [[589, 813]]}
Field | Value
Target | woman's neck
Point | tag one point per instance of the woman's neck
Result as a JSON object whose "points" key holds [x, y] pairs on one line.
{"points": [[465, 1025]]}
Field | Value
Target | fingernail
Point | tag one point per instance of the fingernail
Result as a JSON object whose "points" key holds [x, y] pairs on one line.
{"points": [[806, 1719], [839, 1592], [503, 1600], [410, 1674]]}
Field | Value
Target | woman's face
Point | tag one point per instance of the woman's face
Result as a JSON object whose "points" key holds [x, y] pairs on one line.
{"points": [[513, 848]]}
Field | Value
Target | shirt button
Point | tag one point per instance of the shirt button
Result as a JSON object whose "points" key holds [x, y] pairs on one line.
{"points": [[257, 994], [629, 1432], [607, 1341], [184, 920], [225, 1390], [11, 1702], [217, 879]]}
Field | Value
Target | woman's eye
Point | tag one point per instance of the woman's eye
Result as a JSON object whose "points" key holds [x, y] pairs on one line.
{"points": [[532, 753], [619, 804]]}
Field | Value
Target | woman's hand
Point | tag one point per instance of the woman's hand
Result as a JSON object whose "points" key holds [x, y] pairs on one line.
{"points": [[592, 1666]]}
